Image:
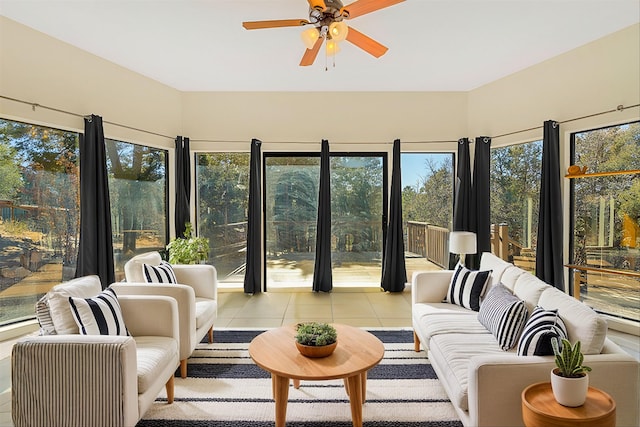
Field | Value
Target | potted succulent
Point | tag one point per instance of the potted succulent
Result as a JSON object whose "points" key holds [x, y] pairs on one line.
{"points": [[315, 339], [569, 379], [188, 250]]}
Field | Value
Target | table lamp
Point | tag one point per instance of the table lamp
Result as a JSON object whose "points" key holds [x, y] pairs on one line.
{"points": [[462, 243]]}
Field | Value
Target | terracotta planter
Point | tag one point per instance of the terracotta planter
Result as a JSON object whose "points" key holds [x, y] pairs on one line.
{"points": [[570, 392], [316, 351]]}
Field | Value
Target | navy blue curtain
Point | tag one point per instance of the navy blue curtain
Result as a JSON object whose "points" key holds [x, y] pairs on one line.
{"points": [[549, 247], [322, 276], [252, 277], [462, 202], [394, 270], [480, 200], [183, 185], [95, 249]]}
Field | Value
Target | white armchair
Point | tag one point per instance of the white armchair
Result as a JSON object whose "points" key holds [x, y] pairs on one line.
{"points": [[97, 380], [196, 294]]}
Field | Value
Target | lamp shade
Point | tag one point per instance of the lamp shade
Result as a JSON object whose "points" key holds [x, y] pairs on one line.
{"points": [[338, 31], [310, 36], [462, 242], [332, 47]]}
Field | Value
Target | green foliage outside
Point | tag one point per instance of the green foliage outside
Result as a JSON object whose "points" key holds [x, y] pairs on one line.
{"points": [[432, 201], [601, 202], [515, 190], [46, 194], [11, 181]]}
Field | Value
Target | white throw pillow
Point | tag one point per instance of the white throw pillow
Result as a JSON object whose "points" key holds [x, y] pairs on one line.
{"points": [[466, 287], [100, 315], [58, 300]]}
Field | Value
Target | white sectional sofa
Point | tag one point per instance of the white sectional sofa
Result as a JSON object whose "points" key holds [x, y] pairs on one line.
{"points": [[483, 381]]}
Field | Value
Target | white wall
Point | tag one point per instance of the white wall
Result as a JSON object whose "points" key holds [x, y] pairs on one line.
{"points": [[40, 69]]}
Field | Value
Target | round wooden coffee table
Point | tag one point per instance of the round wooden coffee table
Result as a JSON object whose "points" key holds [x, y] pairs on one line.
{"points": [[540, 409], [357, 351]]}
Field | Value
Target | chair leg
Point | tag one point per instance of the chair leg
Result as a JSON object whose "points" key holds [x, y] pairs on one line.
{"points": [[210, 335], [416, 342], [170, 388], [183, 368]]}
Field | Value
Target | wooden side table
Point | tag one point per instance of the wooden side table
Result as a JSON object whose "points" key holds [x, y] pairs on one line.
{"points": [[540, 409]]}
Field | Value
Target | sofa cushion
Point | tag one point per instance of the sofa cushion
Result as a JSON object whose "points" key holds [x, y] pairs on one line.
{"points": [[529, 288], [133, 268], [162, 273], [206, 309], [450, 354], [99, 315], [154, 354], [582, 322], [497, 265], [504, 315], [540, 328], [58, 299], [510, 276], [466, 287]]}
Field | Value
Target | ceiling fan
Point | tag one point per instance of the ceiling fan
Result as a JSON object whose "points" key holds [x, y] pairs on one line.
{"points": [[326, 18]]}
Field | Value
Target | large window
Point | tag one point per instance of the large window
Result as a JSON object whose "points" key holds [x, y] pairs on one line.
{"points": [[515, 198], [222, 200], [138, 196], [39, 221], [605, 214], [427, 208]]}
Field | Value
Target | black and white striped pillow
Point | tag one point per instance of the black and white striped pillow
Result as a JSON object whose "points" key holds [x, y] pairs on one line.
{"points": [[100, 315], [162, 273], [504, 315], [540, 328], [43, 315], [466, 287]]}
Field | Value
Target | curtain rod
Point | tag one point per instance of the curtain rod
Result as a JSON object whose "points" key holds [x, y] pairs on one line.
{"points": [[618, 108], [35, 105], [319, 142]]}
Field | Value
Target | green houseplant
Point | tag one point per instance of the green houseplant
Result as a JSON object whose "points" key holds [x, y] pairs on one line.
{"points": [[188, 250], [314, 339], [569, 379]]}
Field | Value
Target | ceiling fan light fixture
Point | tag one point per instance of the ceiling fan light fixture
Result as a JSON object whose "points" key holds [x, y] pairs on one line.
{"points": [[332, 47], [338, 30], [309, 37]]}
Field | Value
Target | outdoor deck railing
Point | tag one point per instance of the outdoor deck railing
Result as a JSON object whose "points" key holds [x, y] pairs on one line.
{"points": [[429, 241]]}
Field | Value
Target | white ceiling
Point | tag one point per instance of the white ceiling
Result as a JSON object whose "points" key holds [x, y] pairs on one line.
{"points": [[434, 45]]}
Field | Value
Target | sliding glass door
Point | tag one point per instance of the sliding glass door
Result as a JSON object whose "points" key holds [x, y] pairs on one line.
{"points": [[291, 209], [358, 206]]}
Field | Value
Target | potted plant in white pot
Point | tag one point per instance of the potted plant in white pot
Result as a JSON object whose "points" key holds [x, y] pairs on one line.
{"points": [[188, 250], [569, 380]]}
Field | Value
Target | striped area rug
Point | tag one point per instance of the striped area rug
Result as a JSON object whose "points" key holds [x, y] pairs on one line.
{"points": [[225, 388]]}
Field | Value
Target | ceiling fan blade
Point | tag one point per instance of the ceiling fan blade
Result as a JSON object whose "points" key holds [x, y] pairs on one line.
{"points": [[310, 54], [366, 43], [362, 7], [258, 25], [318, 5]]}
